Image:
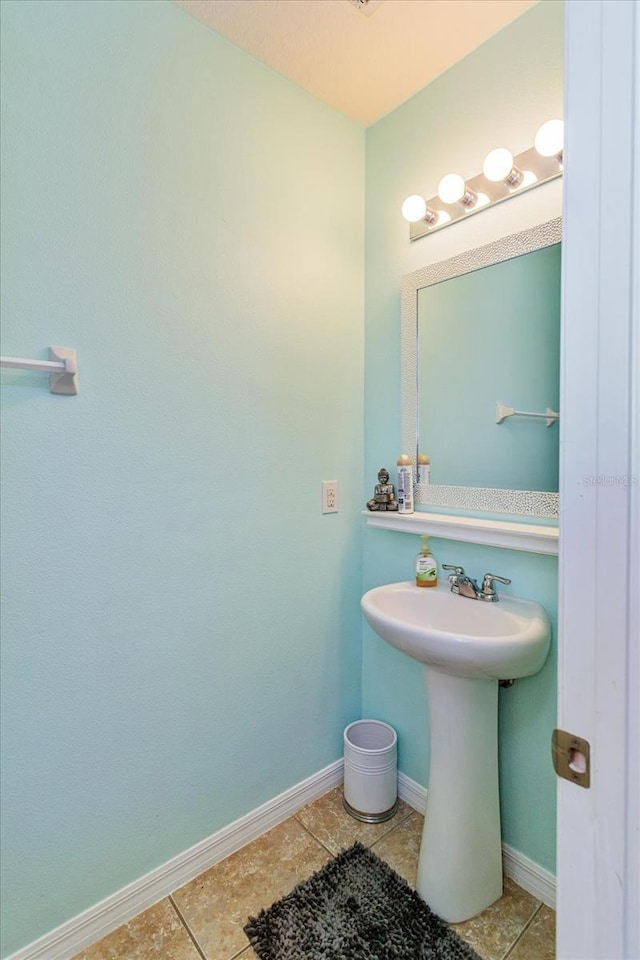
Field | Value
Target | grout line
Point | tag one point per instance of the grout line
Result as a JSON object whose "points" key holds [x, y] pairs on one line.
{"points": [[398, 823], [241, 952], [317, 839], [394, 826], [391, 829], [190, 932], [522, 932]]}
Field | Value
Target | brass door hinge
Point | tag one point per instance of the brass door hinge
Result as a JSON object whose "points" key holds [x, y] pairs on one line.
{"points": [[571, 757]]}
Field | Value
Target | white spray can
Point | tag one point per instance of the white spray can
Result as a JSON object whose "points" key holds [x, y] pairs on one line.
{"points": [[404, 492], [424, 469]]}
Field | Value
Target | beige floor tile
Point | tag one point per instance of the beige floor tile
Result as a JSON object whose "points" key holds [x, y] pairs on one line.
{"points": [[493, 931], [538, 942], [400, 848], [156, 934], [217, 904], [328, 821]]}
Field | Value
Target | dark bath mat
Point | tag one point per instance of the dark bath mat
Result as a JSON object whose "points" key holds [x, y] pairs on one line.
{"points": [[355, 908]]}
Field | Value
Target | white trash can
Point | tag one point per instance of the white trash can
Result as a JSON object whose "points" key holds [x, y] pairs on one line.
{"points": [[370, 770]]}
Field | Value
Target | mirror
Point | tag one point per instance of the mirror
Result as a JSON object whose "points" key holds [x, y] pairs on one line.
{"points": [[480, 329], [487, 336]]}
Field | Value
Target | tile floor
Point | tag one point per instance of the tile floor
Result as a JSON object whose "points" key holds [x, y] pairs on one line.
{"points": [[203, 920]]}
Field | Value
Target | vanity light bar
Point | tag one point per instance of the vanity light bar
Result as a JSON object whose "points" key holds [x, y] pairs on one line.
{"points": [[503, 177]]}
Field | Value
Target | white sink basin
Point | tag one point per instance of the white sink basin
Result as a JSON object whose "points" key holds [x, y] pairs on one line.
{"points": [[465, 646], [462, 637]]}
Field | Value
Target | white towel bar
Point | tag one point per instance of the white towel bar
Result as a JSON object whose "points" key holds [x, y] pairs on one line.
{"points": [[503, 412], [62, 367]]}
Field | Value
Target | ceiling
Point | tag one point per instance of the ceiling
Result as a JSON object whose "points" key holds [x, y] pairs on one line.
{"points": [[363, 58]]}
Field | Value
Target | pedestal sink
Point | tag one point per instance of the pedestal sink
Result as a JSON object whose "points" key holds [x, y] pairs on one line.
{"points": [[466, 647]]}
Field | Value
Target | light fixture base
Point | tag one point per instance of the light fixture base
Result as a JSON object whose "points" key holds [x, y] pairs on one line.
{"points": [[366, 7]]}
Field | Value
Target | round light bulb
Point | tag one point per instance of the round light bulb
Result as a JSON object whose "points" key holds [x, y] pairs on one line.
{"points": [[451, 188], [549, 139], [498, 165], [414, 208]]}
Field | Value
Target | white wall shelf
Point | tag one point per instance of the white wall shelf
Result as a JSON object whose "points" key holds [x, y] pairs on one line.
{"points": [[530, 537]]}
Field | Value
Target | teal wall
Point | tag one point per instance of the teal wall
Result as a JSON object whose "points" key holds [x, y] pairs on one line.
{"points": [[498, 95], [193, 224], [181, 633]]}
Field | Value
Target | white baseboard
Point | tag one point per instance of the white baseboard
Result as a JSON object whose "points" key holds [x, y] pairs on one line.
{"points": [[529, 875], [412, 793], [90, 926]]}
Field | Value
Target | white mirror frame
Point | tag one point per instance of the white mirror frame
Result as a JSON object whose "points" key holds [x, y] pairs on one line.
{"points": [[524, 502]]}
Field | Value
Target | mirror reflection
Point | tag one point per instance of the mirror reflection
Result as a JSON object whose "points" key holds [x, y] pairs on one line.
{"points": [[489, 336], [465, 343]]}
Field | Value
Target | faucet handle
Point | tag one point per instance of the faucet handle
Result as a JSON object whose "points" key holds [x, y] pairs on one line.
{"points": [[488, 590], [457, 572]]}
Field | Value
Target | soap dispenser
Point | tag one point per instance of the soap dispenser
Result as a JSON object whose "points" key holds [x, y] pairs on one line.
{"points": [[426, 566]]}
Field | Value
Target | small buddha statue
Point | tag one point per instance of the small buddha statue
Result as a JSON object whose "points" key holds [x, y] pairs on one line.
{"points": [[384, 496]]}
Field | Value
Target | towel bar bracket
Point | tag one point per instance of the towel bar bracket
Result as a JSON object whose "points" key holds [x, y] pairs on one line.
{"points": [[64, 382]]}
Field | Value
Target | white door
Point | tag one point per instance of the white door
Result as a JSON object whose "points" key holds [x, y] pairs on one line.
{"points": [[599, 675]]}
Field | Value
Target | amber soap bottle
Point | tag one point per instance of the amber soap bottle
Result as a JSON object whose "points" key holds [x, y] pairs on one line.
{"points": [[426, 566]]}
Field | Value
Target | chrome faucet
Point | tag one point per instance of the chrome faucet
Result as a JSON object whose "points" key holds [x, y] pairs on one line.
{"points": [[488, 590], [468, 587], [461, 583]]}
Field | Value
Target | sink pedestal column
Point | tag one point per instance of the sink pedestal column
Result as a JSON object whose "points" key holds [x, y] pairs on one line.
{"points": [[460, 867]]}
